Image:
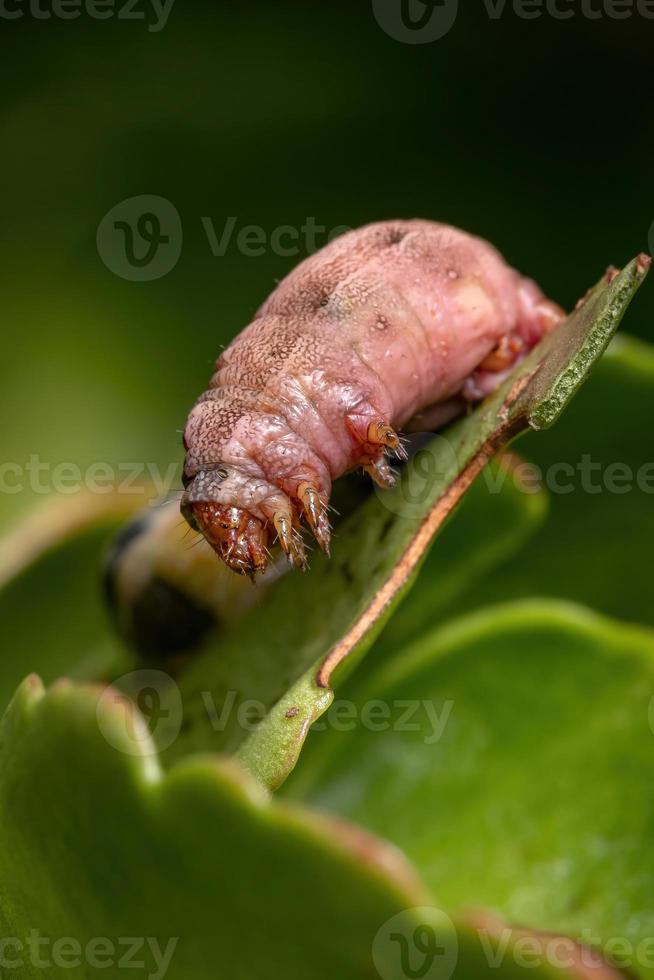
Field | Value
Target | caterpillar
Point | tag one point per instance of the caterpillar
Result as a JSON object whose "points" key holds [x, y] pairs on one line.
{"points": [[390, 322]]}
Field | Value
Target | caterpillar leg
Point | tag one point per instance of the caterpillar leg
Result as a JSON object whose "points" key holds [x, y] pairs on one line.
{"points": [[381, 471], [374, 432], [289, 538], [376, 438], [505, 354], [315, 511]]}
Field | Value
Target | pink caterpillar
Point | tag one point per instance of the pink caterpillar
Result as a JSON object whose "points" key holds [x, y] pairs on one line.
{"points": [[388, 321]]}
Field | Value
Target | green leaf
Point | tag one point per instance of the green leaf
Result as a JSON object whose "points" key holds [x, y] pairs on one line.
{"points": [[514, 764], [597, 543], [198, 866], [288, 666], [495, 521]]}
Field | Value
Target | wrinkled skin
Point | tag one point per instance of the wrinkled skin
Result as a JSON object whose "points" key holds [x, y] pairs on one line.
{"points": [[392, 322]]}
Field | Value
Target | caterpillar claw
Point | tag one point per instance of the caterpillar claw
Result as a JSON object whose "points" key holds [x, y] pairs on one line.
{"points": [[290, 541], [381, 434], [375, 434], [316, 514], [381, 472], [504, 355]]}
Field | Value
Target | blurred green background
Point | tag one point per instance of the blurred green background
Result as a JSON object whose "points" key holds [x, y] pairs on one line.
{"points": [[534, 133]]}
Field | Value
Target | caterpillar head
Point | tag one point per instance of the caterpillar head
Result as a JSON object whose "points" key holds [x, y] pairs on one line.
{"points": [[221, 502], [239, 514]]}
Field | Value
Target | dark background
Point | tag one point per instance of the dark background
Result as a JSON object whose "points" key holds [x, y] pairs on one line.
{"points": [[536, 134]]}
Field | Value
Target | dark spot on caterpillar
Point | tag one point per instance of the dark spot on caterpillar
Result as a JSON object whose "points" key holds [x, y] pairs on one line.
{"points": [[280, 352], [292, 712], [119, 546], [165, 621], [319, 299], [396, 235]]}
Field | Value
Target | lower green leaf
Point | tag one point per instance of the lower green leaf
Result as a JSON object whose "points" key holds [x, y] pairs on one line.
{"points": [[511, 754], [106, 863]]}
